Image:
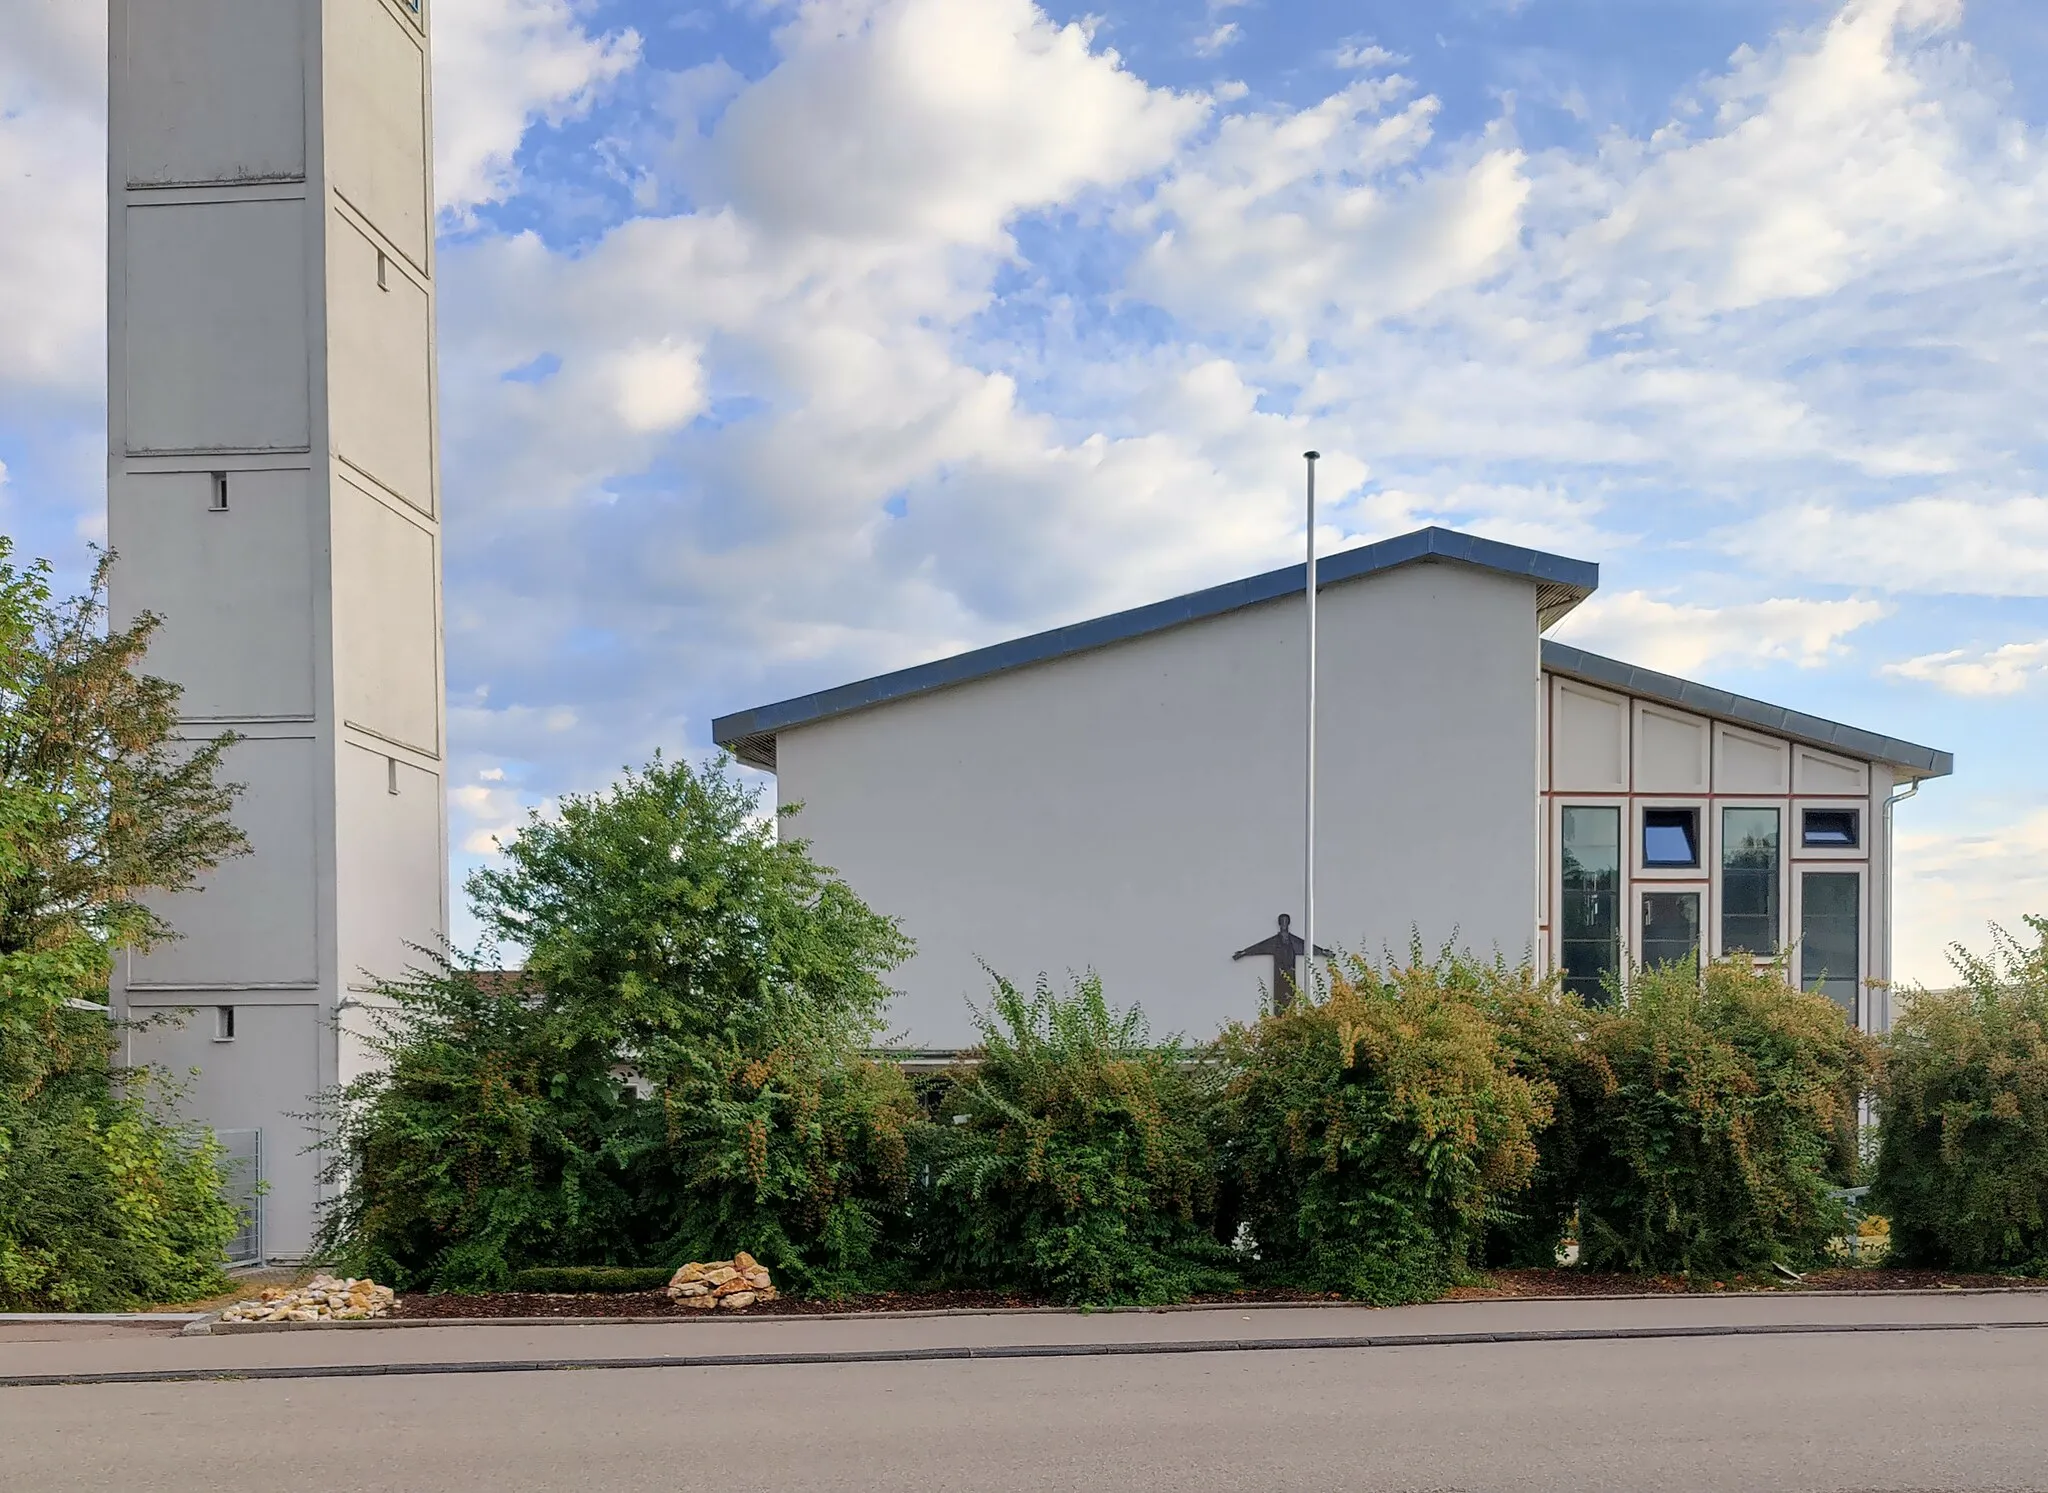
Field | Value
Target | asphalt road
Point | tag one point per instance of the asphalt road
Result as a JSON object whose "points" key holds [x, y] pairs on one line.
{"points": [[1918, 1411]]}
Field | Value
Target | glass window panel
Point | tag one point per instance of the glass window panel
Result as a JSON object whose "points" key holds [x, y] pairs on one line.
{"points": [[1828, 829], [1749, 880], [1671, 929], [1671, 837], [1828, 936], [1589, 914]]}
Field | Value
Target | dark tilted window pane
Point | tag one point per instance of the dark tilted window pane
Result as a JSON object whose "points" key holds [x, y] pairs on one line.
{"points": [[1749, 880], [1828, 937], [1828, 829], [1589, 916], [1671, 929], [1671, 837]]}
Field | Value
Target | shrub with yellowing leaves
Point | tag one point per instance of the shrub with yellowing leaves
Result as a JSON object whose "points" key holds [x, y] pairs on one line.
{"points": [[1369, 1131], [1730, 1119], [1962, 1167]]}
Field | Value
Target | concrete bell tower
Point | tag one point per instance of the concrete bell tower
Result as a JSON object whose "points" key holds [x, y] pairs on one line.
{"points": [[273, 494]]}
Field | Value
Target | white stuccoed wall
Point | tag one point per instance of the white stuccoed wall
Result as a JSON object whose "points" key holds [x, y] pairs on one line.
{"points": [[270, 317], [1137, 809]]}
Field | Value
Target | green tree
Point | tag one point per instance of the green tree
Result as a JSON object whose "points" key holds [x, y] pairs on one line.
{"points": [[670, 934], [102, 1202], [668, 910]]}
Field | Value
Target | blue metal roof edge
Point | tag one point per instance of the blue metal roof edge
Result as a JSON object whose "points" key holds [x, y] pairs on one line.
{"points": [[1813, 730], [736, 730]]}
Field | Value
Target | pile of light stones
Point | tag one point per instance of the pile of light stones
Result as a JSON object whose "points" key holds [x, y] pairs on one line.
{"points": [[324, 1298], [733, 1284]]}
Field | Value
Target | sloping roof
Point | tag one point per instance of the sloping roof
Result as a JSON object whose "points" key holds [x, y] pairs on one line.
{"points": [[1561, 584], [1703, 699]]}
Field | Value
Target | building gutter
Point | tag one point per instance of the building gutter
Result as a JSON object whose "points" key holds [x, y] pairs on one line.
{"points": [[1891, 895]]}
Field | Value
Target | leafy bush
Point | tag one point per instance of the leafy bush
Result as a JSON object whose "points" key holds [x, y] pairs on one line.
{"points": [[1543, 1032], [1732, 1112], [105, 1202], [492, 1136], [802, 1161], [107, 1207], [573, 1280], [1962, 1164], [1070, 1160], [1371, 1131], [670, 935]]}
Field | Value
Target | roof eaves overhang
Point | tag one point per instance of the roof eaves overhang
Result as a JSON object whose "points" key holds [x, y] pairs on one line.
{"points": [[1561, 584], [1912, 760]]}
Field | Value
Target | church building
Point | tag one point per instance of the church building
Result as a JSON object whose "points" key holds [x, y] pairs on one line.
{"points": [[1125, 795]]}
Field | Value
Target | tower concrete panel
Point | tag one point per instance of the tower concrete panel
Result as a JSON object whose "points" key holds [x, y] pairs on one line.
{"points": [[250, 655], [272, 497], [183, 67], [214, 327]]}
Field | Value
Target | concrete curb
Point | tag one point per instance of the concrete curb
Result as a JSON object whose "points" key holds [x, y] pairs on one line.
{"points": [[994, 1353], [218, 1328]]}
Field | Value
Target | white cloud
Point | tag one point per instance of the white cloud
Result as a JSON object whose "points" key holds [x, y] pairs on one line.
{"points": [[500, 66], [53, 185], [1679, 638], [655, 387], [1976, 547], [923, 120], [1958, 876], [1358, 54], [1222, 38], [1537, 515], [1300, 218], [486, 813], [1829, 153], [858, 171], [1961, 671]]}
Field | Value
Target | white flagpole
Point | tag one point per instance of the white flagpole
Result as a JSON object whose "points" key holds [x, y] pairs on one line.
{"points": [[1308, 858]]}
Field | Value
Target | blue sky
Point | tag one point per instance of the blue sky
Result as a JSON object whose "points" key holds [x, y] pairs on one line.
{"points": [[787, 342]]}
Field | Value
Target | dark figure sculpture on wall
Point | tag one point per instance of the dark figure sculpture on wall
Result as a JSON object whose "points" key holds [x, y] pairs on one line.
{"points": [[1284, 949]]}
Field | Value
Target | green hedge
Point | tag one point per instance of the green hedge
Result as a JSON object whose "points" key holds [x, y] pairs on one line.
{"points": [[1544, 1034], [1381, 1139], [1370, 1131], [1726, 1116], [104, 1204], [1962, 1164], [1069, 1160]]}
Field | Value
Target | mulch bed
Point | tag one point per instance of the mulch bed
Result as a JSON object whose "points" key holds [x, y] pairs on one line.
{"points": [[657, 1304], [1500, 1285], [1507, 1284]]}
